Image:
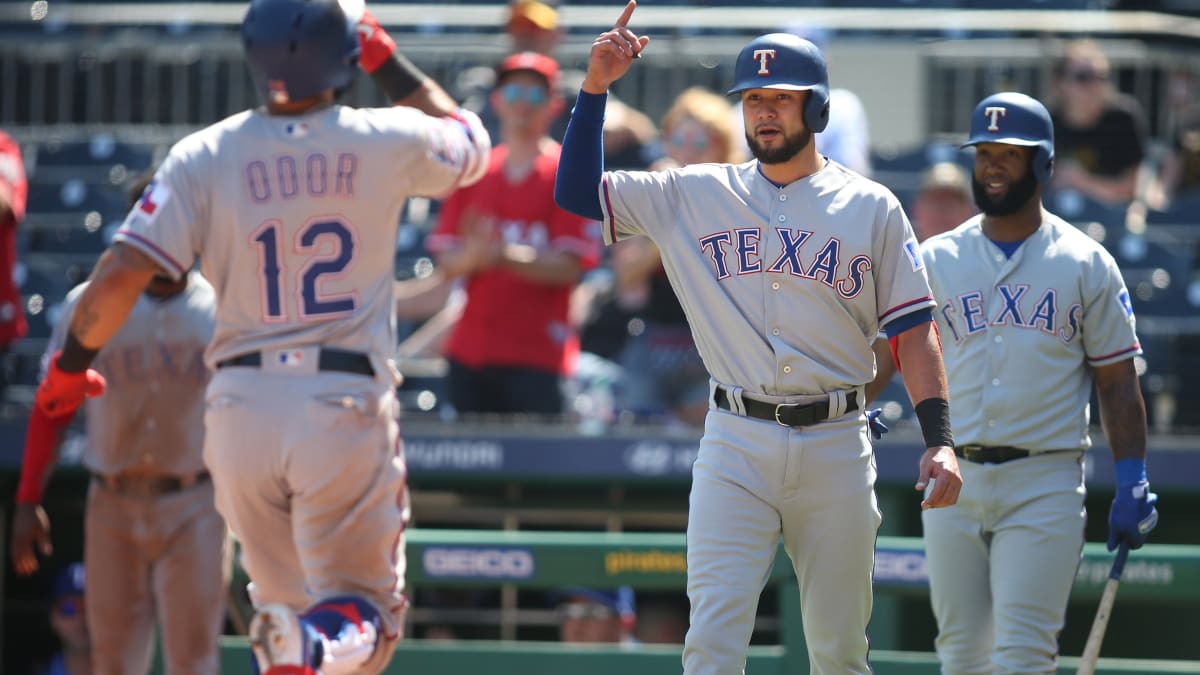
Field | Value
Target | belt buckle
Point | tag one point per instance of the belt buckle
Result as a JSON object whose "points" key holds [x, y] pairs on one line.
{"points": [[779, 407]]}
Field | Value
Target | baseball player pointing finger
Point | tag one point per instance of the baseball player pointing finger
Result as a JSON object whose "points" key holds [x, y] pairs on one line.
{"points": [[786, 266]]}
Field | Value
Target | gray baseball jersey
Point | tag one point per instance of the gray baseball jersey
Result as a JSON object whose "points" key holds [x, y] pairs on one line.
{"points": [[294, 219], [304, 212], [1020, 336], [785, 289], [1017, 332], [150, 421]]}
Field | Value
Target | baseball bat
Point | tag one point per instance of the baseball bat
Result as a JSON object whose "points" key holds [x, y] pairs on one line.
{"points": [[1091, 651]]}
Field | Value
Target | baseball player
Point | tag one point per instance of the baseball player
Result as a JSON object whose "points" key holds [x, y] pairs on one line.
{"points": [[152, 535], [293, 210], [786, 267], [1031, 311]]}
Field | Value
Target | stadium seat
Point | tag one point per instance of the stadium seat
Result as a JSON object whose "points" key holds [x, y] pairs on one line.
{"points": [[1183, 211], [74, 196], [1157, 273], [67, 238], [1079, 209], [101, 150]]}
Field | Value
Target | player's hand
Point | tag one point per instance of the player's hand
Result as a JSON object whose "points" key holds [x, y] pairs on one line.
{"points": [[877, 427], [30, 536], [941, 466], [1132, 515], [375, 45], [612, 53], [61, 393]]}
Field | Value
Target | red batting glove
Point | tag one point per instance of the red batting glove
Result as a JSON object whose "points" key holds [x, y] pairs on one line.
{"points": [[41, 437], [61, 393], [377, 46]]}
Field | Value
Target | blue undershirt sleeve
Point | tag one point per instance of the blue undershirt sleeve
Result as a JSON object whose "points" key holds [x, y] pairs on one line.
{"points": [[581, 165], [910, 320]]}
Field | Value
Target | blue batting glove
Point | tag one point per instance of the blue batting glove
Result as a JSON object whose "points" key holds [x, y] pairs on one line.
{"points": [[1132, 515], [878, 428]]}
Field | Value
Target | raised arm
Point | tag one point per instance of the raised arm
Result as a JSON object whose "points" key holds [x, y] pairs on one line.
{"points": [[581, 165]]}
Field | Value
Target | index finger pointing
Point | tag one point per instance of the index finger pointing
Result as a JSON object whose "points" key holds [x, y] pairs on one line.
{"points": [[626, 15]]}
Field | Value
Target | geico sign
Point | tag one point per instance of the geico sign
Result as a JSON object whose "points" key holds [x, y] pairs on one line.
{"points": [[903, 566], [491, 563]]}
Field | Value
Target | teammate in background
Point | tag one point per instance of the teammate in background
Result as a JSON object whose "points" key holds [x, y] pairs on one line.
{"points": [[943, 200], [1031, 311], [151, 531], [519, 255], [1101, 138], [13, 192], [760, 253], [590, 615], [293, 211], [69, 624]]}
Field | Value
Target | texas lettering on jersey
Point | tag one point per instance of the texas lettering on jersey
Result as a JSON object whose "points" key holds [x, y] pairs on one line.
{"points": [[824, 263]]}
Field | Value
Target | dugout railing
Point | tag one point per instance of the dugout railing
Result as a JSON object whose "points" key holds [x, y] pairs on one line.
{"points": [[474, 558]]}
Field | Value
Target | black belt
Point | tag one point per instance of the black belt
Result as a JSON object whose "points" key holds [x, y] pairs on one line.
{"points": [[134, 485], [786, 414], [990, 454], [329, 359]]}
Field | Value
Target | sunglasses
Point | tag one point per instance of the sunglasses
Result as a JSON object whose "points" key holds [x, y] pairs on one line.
{"points": [[532, 94], [1085, 76], [693, 141]]}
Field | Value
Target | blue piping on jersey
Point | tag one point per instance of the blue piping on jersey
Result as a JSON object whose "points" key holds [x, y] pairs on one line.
{"points": [[581, 163], [908, 321]]}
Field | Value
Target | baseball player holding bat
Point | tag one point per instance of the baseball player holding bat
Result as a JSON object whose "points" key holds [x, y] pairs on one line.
{"points": [[1032, 313], [786, 267], [293, 210]]}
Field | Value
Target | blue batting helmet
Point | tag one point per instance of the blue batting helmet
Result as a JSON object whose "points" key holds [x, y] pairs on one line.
{"points": [[1016, 119], [786, 61], [298, 49]]}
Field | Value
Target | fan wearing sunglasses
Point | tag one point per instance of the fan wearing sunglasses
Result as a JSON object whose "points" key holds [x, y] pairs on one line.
{"points": [[1101, 135], [518, 254]]}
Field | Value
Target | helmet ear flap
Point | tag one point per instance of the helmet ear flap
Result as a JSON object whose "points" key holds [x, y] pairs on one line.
{"points": [[1043, 164], [816, 112]]}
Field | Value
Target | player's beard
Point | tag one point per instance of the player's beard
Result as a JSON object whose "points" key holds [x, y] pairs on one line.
{"points": [[1018, 195], [792, 145]]}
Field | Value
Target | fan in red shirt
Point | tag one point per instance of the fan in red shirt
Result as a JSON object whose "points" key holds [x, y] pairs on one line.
{"points": [[13, 191], [519, 255]]}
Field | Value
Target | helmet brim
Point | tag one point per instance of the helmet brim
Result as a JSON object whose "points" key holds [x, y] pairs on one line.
{"points": [[785, 86], [1005, 141]]}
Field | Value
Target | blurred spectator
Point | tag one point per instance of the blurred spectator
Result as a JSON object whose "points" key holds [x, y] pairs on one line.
{"points": [[67, 620], [13, 191], [597, 616], [943, 200], [1099, 134], [662, 622], [536, 26], [663, 373], [1180, 171], [519, 254]]}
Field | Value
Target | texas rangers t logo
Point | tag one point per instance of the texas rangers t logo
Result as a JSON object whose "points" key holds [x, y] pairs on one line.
{"points": [[995, 112], [763, 56]]}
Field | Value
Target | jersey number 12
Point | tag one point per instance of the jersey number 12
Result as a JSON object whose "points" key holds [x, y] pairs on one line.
{"points": [[312, 304]]}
